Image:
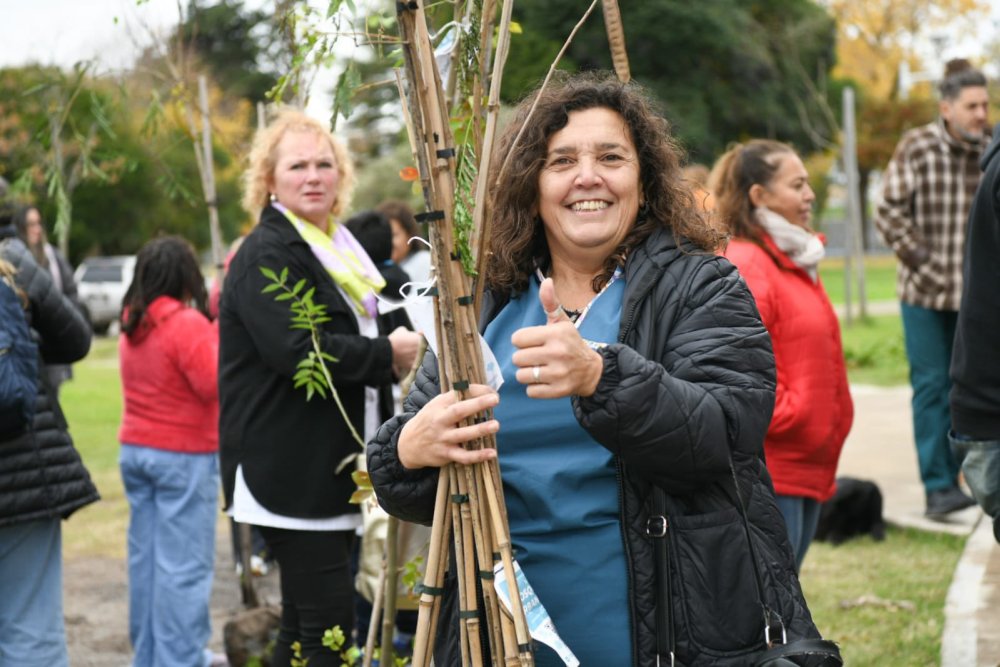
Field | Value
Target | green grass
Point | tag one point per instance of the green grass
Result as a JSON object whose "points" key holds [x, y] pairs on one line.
{"points": [[910, 568], [874, 351], [880, 278], [93, 405]]}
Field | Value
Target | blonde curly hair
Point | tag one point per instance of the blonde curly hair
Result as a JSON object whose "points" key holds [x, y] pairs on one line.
{"points": [[263, 157]]}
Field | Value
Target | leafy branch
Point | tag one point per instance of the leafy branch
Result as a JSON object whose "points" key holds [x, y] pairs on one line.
{"points": [[312, 373]]}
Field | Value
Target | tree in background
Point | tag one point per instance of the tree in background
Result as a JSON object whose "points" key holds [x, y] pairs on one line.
{"points": [[874, 37], [57, 134], [233, 43], [724, 70]]}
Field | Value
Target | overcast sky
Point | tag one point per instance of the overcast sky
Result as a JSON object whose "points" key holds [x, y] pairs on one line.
{"points": [[111, 32], [62, 32]]}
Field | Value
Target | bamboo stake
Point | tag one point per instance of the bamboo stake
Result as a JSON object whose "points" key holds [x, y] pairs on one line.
{"points": [[459, 355], [388, 577], [616, 39], [433, 577], [480, 216], [373, 621]]}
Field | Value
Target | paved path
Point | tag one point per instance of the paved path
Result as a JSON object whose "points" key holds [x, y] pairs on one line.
{"points": [[880, 448]]}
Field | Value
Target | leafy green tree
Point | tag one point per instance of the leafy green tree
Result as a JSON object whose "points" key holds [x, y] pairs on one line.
{"points": [[723, 70], [233, 42], [57, 135]]}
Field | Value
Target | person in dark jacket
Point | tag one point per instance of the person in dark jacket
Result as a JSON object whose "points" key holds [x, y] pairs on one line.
{"points": [[42, 479], [975, 361], [30, 229], [282, 456], [374, 232], [634, 361]]}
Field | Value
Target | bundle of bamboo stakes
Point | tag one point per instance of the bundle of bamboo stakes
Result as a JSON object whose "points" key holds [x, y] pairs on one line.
{"points": [[469, 509], [470, 516]]}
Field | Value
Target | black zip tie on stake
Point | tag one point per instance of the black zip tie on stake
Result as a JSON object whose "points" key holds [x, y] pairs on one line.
{"points": [[456, 255], [459, 498], [461, 385], [486, 575], [465, 300], [406, 6], [468, 613], [445, 153], [420, 589], [524, 648], [429, 216], [430, 291]]}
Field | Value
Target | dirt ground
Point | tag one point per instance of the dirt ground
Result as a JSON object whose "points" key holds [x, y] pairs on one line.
{"points": [[95, 601]]}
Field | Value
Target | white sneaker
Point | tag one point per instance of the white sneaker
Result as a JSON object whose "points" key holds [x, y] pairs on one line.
{"points": [[258, 566]]}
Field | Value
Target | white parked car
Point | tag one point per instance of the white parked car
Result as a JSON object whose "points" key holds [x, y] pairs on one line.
{"points": [[101, 283]]}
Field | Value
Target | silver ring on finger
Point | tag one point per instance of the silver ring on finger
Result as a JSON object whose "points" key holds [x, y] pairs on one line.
{"points": [[536, 374]]}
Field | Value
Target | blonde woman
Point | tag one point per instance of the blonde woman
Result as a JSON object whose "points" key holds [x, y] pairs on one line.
{"points": [[279, 452]]}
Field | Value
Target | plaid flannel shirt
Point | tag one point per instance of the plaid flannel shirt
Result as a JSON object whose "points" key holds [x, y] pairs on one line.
{"points": [[927, 192]]}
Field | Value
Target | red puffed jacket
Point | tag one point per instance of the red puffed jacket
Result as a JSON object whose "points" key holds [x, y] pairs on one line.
{"points": [[169, 371], [813, 410]]}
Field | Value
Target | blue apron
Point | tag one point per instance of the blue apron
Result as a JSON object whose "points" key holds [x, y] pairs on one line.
{"points": [[561, 491]]}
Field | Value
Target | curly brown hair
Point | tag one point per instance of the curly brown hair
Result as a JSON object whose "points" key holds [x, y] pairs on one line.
{"points": [[518, 238]]}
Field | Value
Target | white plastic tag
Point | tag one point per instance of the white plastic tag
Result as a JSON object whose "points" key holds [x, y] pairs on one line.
{"points": [[540, 624]]}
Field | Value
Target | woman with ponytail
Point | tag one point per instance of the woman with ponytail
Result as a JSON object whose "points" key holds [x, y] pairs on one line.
{"points": [[763, 199]]}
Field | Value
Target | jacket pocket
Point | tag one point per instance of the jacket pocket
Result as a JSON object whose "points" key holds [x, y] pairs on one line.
{"points": [[715, 582]]}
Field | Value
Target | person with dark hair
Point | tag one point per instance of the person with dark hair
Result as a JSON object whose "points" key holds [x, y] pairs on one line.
{"points": [[975, 362], [374, 232], [282, 455], [927, 190], [414, 258], [45, 480], [638, 385], [764, 201], [168, 355], [30, 229]]}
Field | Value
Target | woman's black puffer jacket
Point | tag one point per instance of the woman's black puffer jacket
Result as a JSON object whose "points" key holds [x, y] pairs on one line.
{"points": [[690, 384], [41, 474]]}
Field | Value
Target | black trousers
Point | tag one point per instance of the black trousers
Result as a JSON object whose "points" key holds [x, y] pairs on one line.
{"points": [[317, 591]]}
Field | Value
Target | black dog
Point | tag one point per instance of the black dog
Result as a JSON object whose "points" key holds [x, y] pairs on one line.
{"points": [[855, 509]]}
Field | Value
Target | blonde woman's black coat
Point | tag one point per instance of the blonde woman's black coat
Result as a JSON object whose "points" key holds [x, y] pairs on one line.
{"points": [[289, 447], [690, 385]]}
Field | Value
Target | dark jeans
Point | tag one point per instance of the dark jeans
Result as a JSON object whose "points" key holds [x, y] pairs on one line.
{"points": [[317, 591], [929, 336]]}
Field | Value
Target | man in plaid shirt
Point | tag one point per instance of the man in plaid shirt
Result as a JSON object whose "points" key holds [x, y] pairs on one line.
{"points": [[927, 191]]}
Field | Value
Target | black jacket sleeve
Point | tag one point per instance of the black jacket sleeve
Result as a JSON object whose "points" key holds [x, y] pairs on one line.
{"points": [[403, 493], [704, 389]]}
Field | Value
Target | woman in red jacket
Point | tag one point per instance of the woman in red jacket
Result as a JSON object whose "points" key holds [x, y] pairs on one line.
{"points": [[168, 354], [763, 198]]}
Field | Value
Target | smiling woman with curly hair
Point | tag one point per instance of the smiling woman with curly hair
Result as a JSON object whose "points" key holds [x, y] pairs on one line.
{"points": [[636, 369]]}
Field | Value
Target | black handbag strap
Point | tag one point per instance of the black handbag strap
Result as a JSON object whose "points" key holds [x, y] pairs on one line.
{"points": [[656, 529], [769, 615]]}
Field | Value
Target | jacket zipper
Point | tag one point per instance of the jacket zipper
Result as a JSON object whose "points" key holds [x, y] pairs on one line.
{"points": [[620, 474]]}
